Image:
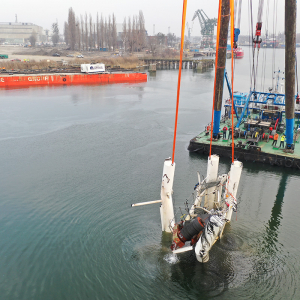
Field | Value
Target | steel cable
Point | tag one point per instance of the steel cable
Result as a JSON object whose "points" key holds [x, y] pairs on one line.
{"points": [[179, 75]]}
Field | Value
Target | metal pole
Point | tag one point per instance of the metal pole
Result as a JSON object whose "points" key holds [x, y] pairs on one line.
{"points": [[145, 203], [290, 54], [221, 65]]}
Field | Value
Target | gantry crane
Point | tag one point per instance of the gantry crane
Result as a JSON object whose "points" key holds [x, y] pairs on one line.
{"points": [[207, 27]]}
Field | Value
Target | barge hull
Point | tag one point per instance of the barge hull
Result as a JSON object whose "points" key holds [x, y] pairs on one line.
{"points": [[73, 78], [246, 155]]}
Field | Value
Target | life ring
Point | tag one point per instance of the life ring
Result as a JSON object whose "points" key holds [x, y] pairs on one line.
{"points": [[288, 163], [279, 162], [64, 79]]}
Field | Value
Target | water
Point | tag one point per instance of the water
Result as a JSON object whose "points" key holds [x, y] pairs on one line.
{"points": [[72, 161]]}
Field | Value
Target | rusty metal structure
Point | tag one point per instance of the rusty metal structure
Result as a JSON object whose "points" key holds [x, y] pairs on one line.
{"points": [[207, 26]]}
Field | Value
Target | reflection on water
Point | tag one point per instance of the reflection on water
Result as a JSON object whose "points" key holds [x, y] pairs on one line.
{"points": [[72, 161], [247, 260], [151, 75], [272, 228]]}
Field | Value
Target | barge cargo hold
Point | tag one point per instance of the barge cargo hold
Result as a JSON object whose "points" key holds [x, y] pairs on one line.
{"points": [[20, 80]]}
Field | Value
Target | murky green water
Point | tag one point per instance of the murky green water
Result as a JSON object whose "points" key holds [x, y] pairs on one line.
{"points": [[73, 159]]}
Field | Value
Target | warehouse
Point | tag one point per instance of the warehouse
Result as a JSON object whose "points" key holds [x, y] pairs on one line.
{"points": [[19, 33]]}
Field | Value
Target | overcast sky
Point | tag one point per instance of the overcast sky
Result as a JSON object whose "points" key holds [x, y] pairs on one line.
{"points": [[162, 13]]}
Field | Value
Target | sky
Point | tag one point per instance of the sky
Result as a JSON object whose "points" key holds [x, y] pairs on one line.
{"points": [[164, 14]]}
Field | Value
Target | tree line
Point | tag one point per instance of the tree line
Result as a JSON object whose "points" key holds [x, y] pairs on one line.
{"points": [[84, 33]]}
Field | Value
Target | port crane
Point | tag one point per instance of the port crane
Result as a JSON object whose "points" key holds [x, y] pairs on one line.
{"points": [[207, 27]]}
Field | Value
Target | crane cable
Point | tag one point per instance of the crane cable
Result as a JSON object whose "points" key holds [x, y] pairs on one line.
{"points": [[263, 68], [259, 20], [258, 39], [297, 75], [251, 41], [216, 67], [179, 75], [232, 70], [297, 81], [235, 10], [260, 10], [239, 14], [275, 13]]}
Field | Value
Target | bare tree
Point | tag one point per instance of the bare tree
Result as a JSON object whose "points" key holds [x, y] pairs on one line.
{"points": [[141, 31], [161, 40], [82, 31], [129, 30], [109, 35], [86, 31], [98, 32], [85, 34], [94, 37], [66, 33], [171, 39], [33, 38], [91, 33], [114, 32], [72, 29], [187, 43], [134, 33], [55, 35], [152, 42], [101, 33], [105, 34], [124, 35], [78, 37]]}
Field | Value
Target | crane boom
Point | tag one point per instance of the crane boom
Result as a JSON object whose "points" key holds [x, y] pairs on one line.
{"points": [[207, 26]]}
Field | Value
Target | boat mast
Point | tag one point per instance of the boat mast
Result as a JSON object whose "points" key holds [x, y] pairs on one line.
{"points": [[290, 55], [222, 51]]}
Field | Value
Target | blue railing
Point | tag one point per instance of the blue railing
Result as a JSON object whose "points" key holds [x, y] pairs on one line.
{"points": [[243, 100]]}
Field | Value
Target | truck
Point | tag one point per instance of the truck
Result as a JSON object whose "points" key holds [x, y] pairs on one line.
{"points": [[3, 56], [92, 68]]}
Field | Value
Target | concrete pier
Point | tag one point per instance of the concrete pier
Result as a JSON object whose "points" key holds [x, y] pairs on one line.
{"points": [[171, 63]]}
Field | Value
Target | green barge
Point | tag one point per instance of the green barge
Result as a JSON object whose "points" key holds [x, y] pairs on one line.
{"points": [[254, 134]]}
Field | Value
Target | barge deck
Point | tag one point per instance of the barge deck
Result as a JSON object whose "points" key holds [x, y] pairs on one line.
{"points": [[255, 149]]}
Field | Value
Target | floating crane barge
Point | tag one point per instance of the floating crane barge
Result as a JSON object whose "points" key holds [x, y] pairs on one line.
{"points": [[260, 115]]}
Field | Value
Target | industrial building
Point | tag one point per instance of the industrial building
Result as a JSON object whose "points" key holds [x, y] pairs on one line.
{"points": [[19, 33]]}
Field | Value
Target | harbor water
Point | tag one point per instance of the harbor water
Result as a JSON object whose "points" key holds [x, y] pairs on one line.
{"points": [[74, 158]]}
